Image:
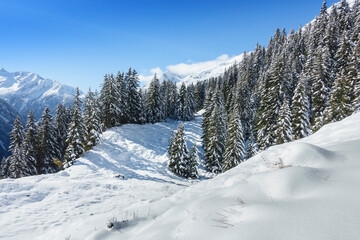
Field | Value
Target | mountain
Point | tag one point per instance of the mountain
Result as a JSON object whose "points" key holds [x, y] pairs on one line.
{"points": [[194, 72], [301, 190], [7, 117], [26, 91]]}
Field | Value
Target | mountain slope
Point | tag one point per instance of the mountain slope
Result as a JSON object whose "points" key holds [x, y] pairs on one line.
{"points": [[302, 190], [27, 91], [7, 117], [82, 198]]}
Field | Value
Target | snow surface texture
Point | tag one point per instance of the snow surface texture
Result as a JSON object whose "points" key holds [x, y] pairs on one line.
{"points": [[27, 91], [80, 200], [307, 189]]}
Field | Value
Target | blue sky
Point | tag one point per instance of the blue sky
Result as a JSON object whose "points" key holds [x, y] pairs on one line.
{"points": [[76, 42]]}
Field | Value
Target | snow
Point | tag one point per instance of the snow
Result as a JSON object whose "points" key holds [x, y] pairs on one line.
{"points": [[306, 189], [80, 200], [192, 73], [27, 91]]}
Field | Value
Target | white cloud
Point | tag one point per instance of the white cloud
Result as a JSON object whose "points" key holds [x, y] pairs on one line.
{"points": [[185, 69], [156, 71]]}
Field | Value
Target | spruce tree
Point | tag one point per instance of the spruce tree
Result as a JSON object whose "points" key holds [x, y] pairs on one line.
{"points": [[193, 163], [4, 168], [179, 157], [110, 97], [154, 102], [30, 141], [46, 146], [283, 129], [133, 97], [235, 146], [61, 123], [301, 109], [76, 134], [92, 120], [17, 165], [216, 127]]}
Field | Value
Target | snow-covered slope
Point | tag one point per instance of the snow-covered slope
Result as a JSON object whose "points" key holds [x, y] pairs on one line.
{"points": [[302, 190], [308, 189], [7, 117], [27, 91], [80, 200]]}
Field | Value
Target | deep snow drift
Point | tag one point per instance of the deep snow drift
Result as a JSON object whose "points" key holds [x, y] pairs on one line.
{"points": [[302, 190]]}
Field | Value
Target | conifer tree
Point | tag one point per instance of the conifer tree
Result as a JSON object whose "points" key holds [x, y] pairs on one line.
{"points": [[61, 123], [179, 157], [46, 147], [133, 97], [110, 97], [301, 109], [76, 134], [214, 143], [235, 146], [30, 142], [154, 102], [283, 129], [193, 163], [4, 168], [92, 120], [17, 165], [143, 110]]}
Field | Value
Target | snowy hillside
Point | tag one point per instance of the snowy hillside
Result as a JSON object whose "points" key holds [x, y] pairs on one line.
{"points": [[302, 190], [27, 91], [7, 117], [80, 200]]}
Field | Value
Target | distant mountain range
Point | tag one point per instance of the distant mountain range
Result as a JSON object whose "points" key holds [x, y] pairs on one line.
{"points": [[26, 91], [7, 117], [21, 92]]}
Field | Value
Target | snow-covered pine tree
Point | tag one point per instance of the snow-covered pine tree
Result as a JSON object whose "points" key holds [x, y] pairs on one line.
{"points": [[4, 168], [76, 134], [17, 165], [320, 90], [143, 111], [216, 135], [354, 58], [179, 158], [342, 92], [270, 103], [92, 120], [30, 141], [133, 98], [190, 104], [154, 102], [110, 96], [181, 104], [193, 163], [301, 109], [171, 142], [121, 81], [252, 147], [235, 145], [60, 126], [283, 128], [46, 146]]}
